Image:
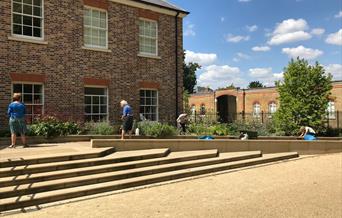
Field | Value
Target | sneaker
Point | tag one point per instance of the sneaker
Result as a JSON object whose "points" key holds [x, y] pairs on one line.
{"points": [[11, 146]]}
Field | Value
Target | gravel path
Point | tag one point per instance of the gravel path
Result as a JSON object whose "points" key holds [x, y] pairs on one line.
{"points": [[307, 187]]}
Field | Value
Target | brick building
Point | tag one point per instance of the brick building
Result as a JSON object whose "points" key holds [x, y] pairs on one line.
{"points": [[230, 104], [77, 59]]}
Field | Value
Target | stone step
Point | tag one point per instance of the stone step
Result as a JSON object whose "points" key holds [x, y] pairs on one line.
{"points": [[32, 188], [22, 161], [173, 157], [68, 193], [117, 157]]}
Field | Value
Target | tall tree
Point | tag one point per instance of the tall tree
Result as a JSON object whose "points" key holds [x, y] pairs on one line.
{"points": [[255, 84], [189, 77], [303, 97]]}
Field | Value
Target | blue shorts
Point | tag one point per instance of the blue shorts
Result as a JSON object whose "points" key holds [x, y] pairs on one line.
{"points": [[18, 126]]}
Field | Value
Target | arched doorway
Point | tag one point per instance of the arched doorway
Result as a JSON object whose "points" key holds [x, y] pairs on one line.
{"points": [[226, 108]]}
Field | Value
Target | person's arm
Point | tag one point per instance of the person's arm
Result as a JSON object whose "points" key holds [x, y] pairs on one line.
{"points": [[9, 110]]}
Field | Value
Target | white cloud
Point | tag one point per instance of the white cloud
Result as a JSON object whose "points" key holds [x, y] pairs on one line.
{"points": [[290, 30], [265, 75], [302, 52], [220, 76], [335, 70], [223, 19], [244, 0], [236, 39], [317, 31], [261, 48], [252, 28], [189, 30], [339, 15], [241, 56], [260, 72], [200, 58], [335, 38]]}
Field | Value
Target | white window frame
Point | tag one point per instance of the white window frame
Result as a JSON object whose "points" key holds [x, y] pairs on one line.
{"points": [[30, 104], [107, 103], [156, 38], [157, 106], [331, 110], [256, 113], [271, 107], [91, 27], [24, 36]]}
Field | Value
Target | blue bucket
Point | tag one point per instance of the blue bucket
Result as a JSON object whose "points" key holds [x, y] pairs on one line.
{"points": [[309, 137], [206, 137]]}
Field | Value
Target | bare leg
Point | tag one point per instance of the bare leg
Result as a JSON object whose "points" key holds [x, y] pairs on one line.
{"points": [[122, 134], [13, 140], [23, 140]]}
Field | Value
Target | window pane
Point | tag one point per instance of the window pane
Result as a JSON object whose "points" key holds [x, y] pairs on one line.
{"points": [[87, 99], [38, 99], [96, 100], [87, 21], [38, 89], [17, 88], [95, 14], [28, 99], [94, 91], [103, 109], [27, 9], [37, 32], [37, 2], [37, 11], [17, 29], [27, 20], [17, 19], [96, 109], [87, 109], [28, 2], [103, 100], [28, 88], [17, 7]]}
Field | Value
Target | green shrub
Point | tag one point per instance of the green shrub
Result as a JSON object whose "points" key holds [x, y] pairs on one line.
{"points": [[50, 126], [156, 129], [100, 128]]}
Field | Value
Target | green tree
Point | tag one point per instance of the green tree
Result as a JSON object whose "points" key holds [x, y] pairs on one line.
{"points": [[255, 84], [303, 97], [189, 77]]}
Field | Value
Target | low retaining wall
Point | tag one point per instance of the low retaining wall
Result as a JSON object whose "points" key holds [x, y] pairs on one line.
{"points": [[224, 145]]}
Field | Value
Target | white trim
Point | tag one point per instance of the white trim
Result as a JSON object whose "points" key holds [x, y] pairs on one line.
{"points": [[157, 98], [143, 55], [150, 7], [97, 49], [25, 38]]}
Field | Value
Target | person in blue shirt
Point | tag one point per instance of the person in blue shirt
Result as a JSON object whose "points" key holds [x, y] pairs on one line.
{"points": [[16, 113], [127, 118]]}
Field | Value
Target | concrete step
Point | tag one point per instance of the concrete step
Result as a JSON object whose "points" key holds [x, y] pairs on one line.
{"points": [[68, 193], [32, 188], [173, 157], [22, 161], [117, 157]]}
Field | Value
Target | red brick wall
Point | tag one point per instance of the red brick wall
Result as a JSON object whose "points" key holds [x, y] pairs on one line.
{"points": [[67, 67]]}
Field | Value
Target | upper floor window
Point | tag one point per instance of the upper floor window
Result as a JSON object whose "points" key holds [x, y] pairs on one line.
{"points": [[331, 110], [32, 97], [95, 28], [202, 109], [272, 108], [27, 18], [256, 110], [148, 37]]}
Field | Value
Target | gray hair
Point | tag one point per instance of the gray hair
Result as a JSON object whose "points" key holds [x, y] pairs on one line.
{"points": [[123, 102]]}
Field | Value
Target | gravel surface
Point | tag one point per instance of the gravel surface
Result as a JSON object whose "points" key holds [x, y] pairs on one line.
{"points": [[307, 187]]}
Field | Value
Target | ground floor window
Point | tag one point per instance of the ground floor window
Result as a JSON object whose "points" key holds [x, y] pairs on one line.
{"points": [[256, 110], [272, 108], [149, 104], [32, 97], [95, 104], [331, 110]]}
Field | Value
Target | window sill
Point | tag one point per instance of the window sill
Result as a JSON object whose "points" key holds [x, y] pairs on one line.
{"points": [[20, 39], [149, 56], [97, 49]]}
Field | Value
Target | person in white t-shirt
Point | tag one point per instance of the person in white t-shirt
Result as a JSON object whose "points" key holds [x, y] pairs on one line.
{"points": [[306, 130]]}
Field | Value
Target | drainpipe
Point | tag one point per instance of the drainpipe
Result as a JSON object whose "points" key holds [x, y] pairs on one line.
{"points": [[176, 55]]}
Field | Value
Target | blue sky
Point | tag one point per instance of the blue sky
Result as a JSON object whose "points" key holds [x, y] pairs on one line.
{"points": [[238, 41]]}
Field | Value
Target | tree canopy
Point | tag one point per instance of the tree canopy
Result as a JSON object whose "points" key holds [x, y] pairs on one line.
{"points": [[255, 84], [189, 77], [303, 96]]}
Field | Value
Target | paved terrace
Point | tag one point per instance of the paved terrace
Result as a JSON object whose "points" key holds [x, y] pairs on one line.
{"points": [[310, 186]]}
